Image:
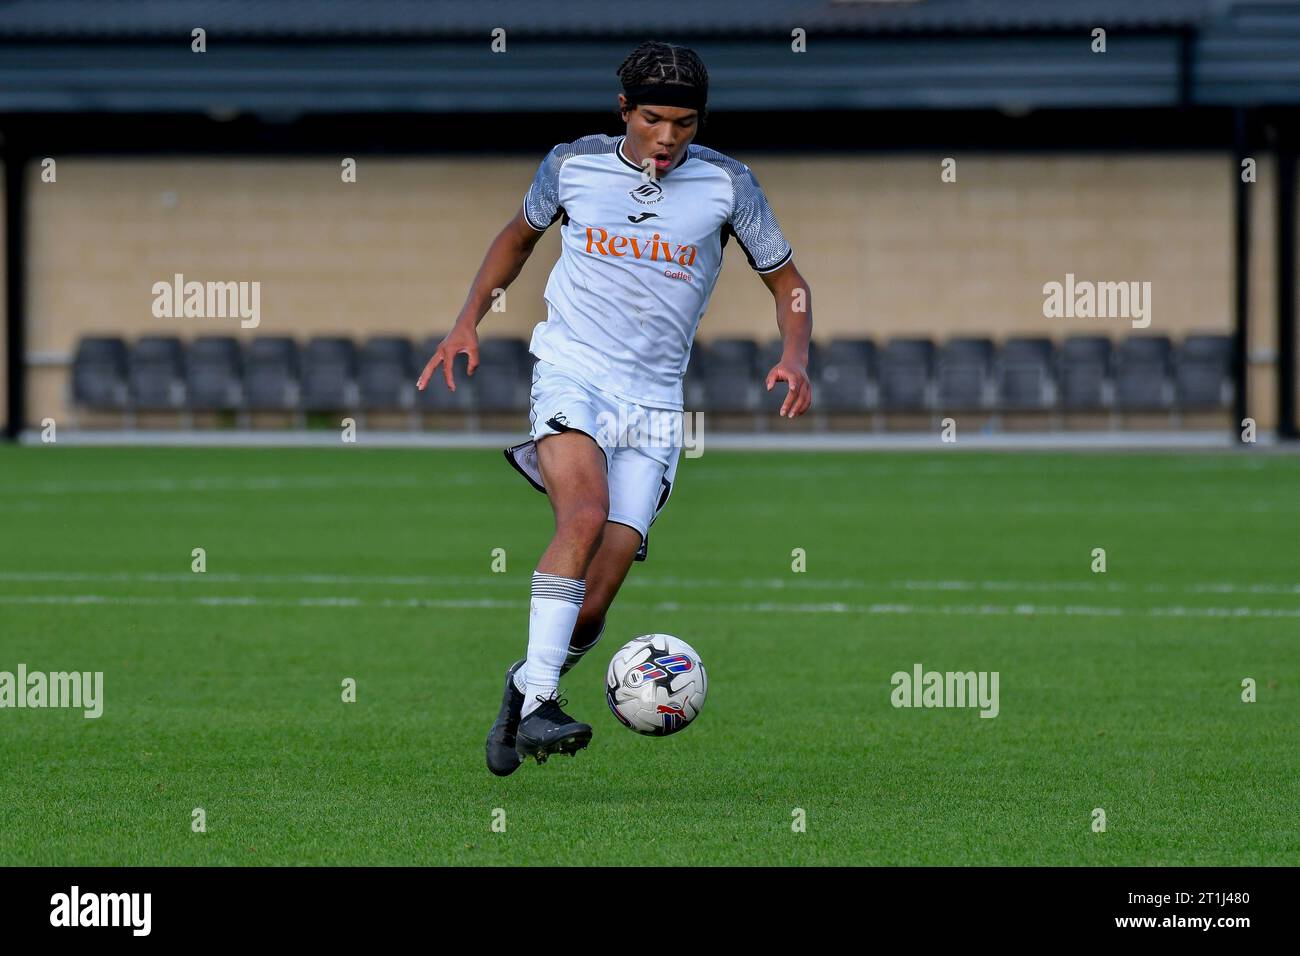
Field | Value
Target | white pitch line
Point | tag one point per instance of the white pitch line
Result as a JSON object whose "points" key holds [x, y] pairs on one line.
{"points": [[764, 607], [265, 483], [788, 585]]}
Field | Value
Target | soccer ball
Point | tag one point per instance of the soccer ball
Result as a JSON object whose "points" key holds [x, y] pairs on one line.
{"points": [[656, 684]]}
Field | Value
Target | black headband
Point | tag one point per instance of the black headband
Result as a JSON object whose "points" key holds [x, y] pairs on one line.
{"points": [[666, 94]]}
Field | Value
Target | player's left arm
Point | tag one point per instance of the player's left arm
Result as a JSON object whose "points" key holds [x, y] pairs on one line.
{"points": [[793, 301]]}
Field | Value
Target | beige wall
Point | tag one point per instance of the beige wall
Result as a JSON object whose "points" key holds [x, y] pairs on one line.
{"points": [[887, 247]]}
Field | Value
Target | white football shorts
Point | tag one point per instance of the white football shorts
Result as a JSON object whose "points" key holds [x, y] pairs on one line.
{"points": [[641, 444]]}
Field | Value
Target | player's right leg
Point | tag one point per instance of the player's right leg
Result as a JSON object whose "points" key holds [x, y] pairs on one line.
{"points": [[573, 469]]}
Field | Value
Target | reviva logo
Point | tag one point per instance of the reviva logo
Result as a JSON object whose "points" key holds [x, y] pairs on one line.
{"points": [[656, 250]]}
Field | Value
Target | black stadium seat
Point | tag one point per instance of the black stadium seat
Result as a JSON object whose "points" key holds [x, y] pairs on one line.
{"points": [[1023, 378], [271, 374], [503, 379], [730, 375], [693, 395], [99, 373], [157, 373], [845, 376], [1083, 373], [731, 387], [1143, 366], [1204, 372], [329, 370], [733, 351], [906, 372], [964, 374], [213, 374], [386, 375]]}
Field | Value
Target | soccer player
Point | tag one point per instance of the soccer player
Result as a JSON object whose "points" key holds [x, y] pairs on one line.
{"points": [[643, 221]]}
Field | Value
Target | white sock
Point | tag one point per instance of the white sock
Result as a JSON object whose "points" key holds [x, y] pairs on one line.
{"points": [[571, 659], [553, 613]]}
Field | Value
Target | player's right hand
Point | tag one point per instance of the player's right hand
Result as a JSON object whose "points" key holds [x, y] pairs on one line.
{"points": [[461, 339]]}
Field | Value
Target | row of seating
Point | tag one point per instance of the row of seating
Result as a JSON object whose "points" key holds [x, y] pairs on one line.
{"points": [[326, 374]]}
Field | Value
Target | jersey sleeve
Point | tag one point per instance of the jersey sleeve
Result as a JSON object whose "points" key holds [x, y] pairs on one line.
{"points": [[542, 202], [754, 225]]}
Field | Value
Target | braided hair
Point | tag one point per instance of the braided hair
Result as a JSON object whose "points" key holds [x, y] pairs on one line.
{"points": [[655, 62]]}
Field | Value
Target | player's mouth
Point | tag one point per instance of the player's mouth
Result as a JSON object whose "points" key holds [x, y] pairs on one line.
{"points": [[663, 160]]}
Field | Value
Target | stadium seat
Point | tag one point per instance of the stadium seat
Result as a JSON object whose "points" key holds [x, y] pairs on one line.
{"points": [[1083, 373], [436, 397], [329, 370], [964, 374], [1204, 373], [693, 383], [729, 375], [99, 373], [386, 376], [1023, 379], [213, 373], [733, 351], [271, 374], [845, 376], [731, 387], [1143, 366], [906, 370], [503, 379], [156, 372]]}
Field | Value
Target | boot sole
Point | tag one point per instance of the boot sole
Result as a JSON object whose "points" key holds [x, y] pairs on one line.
{"points": [[568, 744]]}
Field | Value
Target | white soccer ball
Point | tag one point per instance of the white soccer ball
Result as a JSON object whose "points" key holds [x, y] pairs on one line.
{"points": [[656, 684]]}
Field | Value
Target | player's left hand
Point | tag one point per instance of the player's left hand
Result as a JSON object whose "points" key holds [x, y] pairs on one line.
{"points": [[796, 376]]}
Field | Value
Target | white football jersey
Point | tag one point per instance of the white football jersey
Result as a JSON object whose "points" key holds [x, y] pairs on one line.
{"points": [[640, 259]]}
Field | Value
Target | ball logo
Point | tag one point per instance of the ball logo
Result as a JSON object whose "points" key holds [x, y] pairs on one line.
{"points": [[644, 672], [678, 664], [672, 714], [658, 669]]}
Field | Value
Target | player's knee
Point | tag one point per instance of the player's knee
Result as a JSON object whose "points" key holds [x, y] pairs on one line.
{"points": [[584, 524]]}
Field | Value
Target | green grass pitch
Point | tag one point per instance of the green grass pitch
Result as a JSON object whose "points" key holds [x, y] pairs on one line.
{"points": [[1120, 691]]}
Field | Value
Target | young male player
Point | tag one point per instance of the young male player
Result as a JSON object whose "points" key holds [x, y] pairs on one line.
{"points": [[643, 221]]}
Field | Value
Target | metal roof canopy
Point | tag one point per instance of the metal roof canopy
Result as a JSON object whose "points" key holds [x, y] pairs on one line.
{"points": [[293, 58]]}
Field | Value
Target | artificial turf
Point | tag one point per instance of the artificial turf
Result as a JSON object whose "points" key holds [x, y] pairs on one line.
{"points": [[222, 690]]}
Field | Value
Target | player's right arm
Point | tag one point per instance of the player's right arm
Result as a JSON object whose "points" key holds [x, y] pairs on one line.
{"points": [[504, 260]]}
